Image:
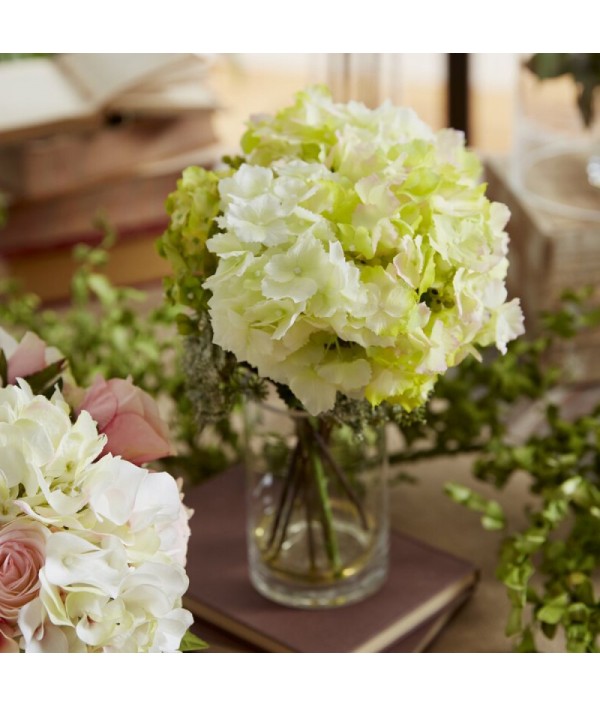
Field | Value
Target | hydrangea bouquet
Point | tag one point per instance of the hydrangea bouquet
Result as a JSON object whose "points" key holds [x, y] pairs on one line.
{"points": [[351, 257], [92, 546]]}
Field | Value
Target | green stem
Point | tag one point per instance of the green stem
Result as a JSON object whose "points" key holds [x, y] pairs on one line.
{"points": [[288, 514], [308, 510], [329, 535], [289, 477], [342, 479]]}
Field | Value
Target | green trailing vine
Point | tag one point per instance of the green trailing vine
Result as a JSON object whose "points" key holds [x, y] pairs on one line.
{"points": [[548, 568]]}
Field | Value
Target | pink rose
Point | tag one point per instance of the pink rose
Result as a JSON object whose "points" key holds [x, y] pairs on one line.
{"points": [[24, 358], [22, 555], [129, 417], [27, 357]]}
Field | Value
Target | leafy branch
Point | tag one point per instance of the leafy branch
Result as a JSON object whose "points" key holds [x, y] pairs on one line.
{"points": [[549, 568]]}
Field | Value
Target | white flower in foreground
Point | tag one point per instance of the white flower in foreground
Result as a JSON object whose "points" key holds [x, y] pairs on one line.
{"points": [[97, 546]]}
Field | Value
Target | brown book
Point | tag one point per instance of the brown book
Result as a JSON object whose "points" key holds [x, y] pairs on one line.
{"points": [[131, 205], [134, 261], [71, 161], [76, 91], [424, 587], [418, 640]]}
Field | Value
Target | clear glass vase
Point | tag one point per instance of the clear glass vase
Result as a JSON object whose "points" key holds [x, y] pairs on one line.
{"points": [[556, 161], [318, 527]]}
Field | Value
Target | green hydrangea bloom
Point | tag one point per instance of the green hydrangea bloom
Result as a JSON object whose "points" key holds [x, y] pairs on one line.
{"points": [[355, 250], [192, 208]]}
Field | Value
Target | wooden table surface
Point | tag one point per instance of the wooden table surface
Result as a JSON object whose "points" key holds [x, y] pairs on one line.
{"points": [[424, 511]]}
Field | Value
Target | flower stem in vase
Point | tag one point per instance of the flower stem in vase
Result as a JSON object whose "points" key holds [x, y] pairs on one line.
{"points": [[290, 477], [341, 476], [318, 506], [310, 539], [329, 534], [306, 500], [296, 485]]}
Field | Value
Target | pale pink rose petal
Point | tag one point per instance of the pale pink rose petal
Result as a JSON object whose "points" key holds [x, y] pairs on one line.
{"points": [[152, 415], [131, 437], [128, 395], [28, 358], [100, 402], [7, 644], [22, 555], [129, 418]]}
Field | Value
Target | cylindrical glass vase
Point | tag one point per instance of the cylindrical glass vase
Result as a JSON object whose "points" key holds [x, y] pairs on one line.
{"points": [[318, 527]]}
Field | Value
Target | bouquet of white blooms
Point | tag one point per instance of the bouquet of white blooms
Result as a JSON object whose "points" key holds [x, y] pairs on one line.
{"points": [[351, 257], [92, 547], [348, 251]]}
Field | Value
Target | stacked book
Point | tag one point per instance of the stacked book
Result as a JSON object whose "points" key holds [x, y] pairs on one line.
{"points": [[90, 138], [424, 589]]}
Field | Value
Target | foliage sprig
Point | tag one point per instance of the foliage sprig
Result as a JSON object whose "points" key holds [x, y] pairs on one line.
{"points": [[549, 567]]}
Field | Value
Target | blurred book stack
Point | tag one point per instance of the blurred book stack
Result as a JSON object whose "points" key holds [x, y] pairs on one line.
{"points": [[86, 138]]}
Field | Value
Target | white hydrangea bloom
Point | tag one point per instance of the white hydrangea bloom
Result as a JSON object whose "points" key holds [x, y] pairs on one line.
{"points": [[357, 253], [113, 577]]}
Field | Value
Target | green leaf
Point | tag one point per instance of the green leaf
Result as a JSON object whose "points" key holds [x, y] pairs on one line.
{"points": [[578, 612], [102, 288], [527, 642], [459, 493], [43, 382], [492, 513], [549, 630], [513, 626], [582, 587], [546, 66], [551, 614], [524, 456], [492, 523], [192, 643]]}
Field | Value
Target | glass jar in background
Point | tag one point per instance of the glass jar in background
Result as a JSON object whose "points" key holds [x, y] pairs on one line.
{"points": [[556, 161]]}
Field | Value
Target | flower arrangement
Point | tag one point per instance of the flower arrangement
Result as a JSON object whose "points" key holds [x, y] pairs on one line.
{"points": [[350, 257], [348, 251], [92, 547]]}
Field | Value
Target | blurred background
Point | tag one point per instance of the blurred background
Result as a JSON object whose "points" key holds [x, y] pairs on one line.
{"points": [[264, 82], [92, 144]]}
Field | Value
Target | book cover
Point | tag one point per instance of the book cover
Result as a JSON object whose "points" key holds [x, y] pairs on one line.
{"points": [[129, 204], [418, 640], [134, 261], [423, 586], [71, 161], [74, 91]]}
